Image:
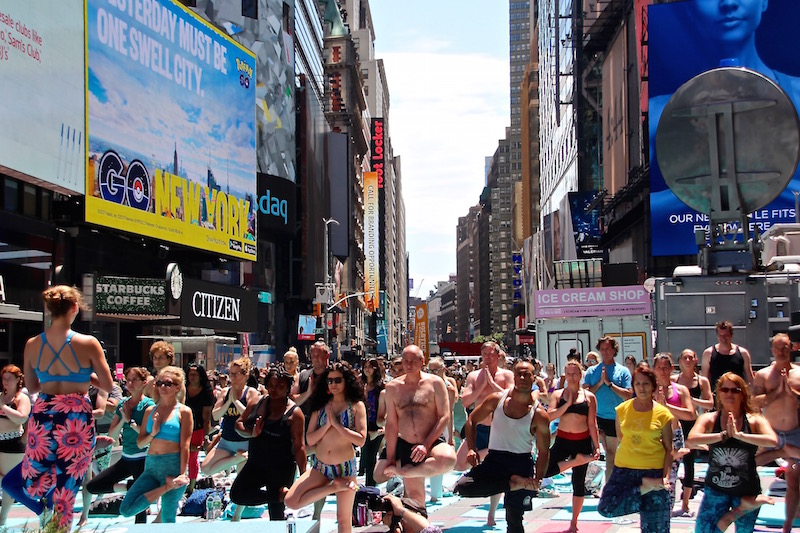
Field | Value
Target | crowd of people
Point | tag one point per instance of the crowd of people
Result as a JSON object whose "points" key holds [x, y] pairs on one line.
{"points": [[292, 435]]}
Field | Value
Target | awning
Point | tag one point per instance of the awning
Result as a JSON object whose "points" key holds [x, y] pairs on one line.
{"points": [[191, 343], [13, 312]]}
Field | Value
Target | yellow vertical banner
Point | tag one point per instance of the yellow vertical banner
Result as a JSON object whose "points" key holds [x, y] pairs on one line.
{"points": [[371, 242], [421, 329]]}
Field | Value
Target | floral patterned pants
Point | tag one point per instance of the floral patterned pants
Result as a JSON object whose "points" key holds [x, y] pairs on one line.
{"points": [[59, 451]]}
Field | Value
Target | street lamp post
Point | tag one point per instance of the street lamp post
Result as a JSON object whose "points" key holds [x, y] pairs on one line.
{"points": [[326, 241]]}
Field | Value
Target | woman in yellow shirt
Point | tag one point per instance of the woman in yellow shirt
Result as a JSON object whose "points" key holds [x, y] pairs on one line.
{"points": [[640, 479]]}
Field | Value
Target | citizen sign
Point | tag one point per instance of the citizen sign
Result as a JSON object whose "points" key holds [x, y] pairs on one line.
{"points": [[215, 306]]}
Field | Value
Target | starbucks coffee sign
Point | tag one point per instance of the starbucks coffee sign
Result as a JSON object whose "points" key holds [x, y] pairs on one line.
{"points": [[122, 295]]}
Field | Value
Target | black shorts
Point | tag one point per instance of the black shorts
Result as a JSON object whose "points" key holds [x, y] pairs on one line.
{"points": [[608, 427], [15, 445], [403, 449]]}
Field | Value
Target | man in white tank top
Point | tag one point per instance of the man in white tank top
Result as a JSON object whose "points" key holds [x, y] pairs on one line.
{"points": [[508, 467]]}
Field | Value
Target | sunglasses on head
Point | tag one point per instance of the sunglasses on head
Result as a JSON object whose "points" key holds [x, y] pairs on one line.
{"points": [[165, 383], [730, 390], [337, 381]]}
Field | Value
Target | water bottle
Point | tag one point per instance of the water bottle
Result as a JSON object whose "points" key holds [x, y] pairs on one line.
{"points": [[210, 507], [291, 525], [217, 506]]}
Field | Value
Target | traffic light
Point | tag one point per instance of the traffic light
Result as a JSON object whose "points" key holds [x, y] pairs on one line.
{"points": [[317, 310]]}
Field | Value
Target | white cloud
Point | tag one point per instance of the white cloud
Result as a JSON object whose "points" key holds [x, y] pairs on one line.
{"points": [[447, 113]]}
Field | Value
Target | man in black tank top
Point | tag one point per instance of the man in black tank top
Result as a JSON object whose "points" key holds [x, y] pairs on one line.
{"points": [[725, 356]]}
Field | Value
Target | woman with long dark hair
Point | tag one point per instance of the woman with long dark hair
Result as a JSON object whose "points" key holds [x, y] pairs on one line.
{"points": [[640, 480], [15, 406], [733, 434], [200, 399], [274, 426], [59, 365], [338, 423], [373, 377]]}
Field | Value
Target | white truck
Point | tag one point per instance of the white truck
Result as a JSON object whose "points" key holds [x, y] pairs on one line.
{"points": [[687, 306]]}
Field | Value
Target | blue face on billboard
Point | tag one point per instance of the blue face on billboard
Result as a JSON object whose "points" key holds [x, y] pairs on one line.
{"points": [[691, 37]]}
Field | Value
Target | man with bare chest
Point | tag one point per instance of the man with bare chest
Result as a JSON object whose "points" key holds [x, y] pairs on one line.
{"points": [[480, 384], [776, 389], [417, 413]]}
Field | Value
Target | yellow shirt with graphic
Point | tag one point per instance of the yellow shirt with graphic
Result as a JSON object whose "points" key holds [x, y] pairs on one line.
{"points": [[640, 447]]}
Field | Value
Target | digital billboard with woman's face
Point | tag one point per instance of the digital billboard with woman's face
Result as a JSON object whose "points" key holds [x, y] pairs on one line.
{"points": [[689, 37]]}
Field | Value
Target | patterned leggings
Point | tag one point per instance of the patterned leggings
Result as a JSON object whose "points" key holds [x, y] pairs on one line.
{"points": [[59, 451], [714, 505], [622, 496]]}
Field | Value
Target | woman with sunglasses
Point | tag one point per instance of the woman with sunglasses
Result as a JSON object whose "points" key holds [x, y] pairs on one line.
{"points": [[640, 479], [373, 378], [338, 423], [232, 401], [274, 426], [167, 430], [127, 421], [733, 434]]}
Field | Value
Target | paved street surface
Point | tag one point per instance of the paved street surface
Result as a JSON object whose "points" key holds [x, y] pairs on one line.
{"points": [[451, 513]]}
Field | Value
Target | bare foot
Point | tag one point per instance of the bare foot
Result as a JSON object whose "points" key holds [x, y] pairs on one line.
{"points": [[746, 505], [343, 485], [282, 492], [103, 441], [680, 452], [82, 522], [391, 471], [490, 521], [520, 482], [573, 528], [582, 459], [650, 484]]}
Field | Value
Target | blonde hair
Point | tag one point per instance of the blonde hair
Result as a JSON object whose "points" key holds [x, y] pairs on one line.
{"points": [[243, 363], [59, 300]]}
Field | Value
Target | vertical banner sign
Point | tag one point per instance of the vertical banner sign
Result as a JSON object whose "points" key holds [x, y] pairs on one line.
{"points": [[171, 151], [377, 160], [371, 241], [421, 328]]}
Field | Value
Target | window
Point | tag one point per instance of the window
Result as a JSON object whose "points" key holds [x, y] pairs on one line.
{"points": [[11, 195], [250, 9], [28, 200]]}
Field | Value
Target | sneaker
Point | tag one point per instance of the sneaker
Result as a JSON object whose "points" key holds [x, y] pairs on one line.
{"points": [[547, 492]]}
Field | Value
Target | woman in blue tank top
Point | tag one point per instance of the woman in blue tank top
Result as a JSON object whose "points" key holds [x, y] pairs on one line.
{"points": [[167, 429], [58, 364]]}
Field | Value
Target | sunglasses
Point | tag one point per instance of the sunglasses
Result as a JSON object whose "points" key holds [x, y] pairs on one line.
{"points": [[165, 383], [236, 373], [730, 390], [337, 381]]}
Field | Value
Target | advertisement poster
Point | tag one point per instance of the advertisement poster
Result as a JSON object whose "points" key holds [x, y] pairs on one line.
{"points": [[171, 150], [41, 64], [306, 326], [688, 38], [371, 242]]}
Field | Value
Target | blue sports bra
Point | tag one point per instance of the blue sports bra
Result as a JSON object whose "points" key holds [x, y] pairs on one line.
{"points": [[83, 375], [171, 427]]}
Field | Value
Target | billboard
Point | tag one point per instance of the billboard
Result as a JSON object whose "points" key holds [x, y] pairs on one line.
{"points": [[601, 301], [688, 38], [371, 242], [306, 327], [171, 151], [41, 60]]}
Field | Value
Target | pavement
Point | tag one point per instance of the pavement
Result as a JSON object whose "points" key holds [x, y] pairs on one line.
{"points": [[451, 513]]}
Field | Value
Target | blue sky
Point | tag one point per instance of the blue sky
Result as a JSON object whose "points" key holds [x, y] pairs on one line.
{"points": [[447, 70]]}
